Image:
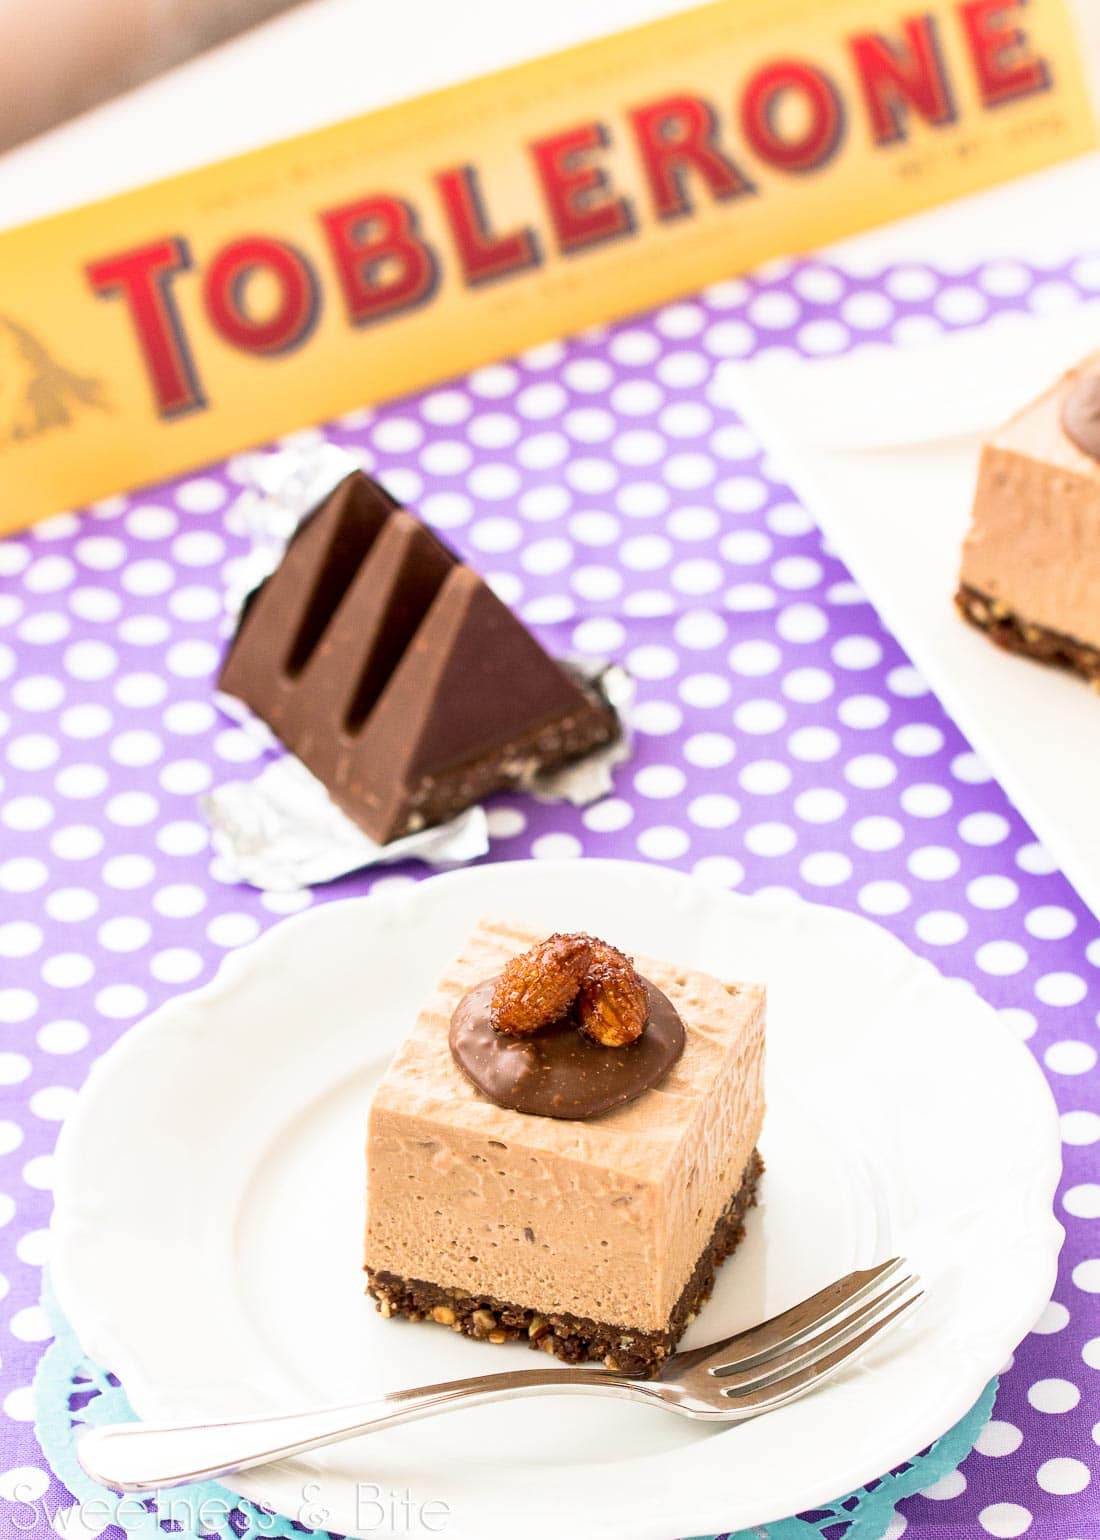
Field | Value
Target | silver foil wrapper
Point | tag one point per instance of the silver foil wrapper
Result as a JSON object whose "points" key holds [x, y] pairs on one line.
{"points": [[282, 831]]}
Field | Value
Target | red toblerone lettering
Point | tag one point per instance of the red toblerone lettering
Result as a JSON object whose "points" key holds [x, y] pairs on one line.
{"points": [[142, 278], [1003, 61], [296, 309], [895, 75], [482, 255], [577, 193], [807, 147], [678, 135], [381, 261]]}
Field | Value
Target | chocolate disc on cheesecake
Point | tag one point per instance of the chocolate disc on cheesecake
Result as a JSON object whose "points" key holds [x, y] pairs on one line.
{"points": [[1031, 562], [396, 675]]}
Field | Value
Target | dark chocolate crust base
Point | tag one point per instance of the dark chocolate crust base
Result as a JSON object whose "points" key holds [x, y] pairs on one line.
{"points": [[1016, 635], [573, 1338]]}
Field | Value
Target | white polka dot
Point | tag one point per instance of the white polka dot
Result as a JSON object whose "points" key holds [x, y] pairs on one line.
{"points": [[52, 1103], [1050, 922], [607, 816], [33, 751], [696, 576], [808, 686], [803, 623], [883, 897], [933, 863], [22, 874], [24, 1484], [971, 768], [176, 965], [14, 1067], [184, 837], [918, 739], [1070, 1058], [820, 804], [663, 843], [998, 1438], [67, 970], [16, 1005], [128, 872], [232, 930], [38, 1173], [813, 745], [700, 629], [63, 1037], [645, 553], [656, 718], [202, 495], [652, 661], [192, 659], [1080, 1127], [1086, 1276], [1035, 859], [941, 927], [151, 523], [754, 658], [38, 692], [49, 574], [925, 800], [120, 1002], [1001, 958], [1055, 1318], [19, 938], [87, 721], [826, 868], [741, 494], [148, 577], [770, 839], [992, 891], [863, 712], [27, 813], [1005, 1520], [759, 716], [185, 777], [856, 652], [71, 906], [983, 828], [719, 871], [556, 847], [765, 777], [1083, 1200], [77, 842], [1019, 1021], [714, 810], [659, 781], [1060, 989], [1053, 1395], [1063, 1475], [870, 772], [19, 1404], [149, 631], [237, 746], [877, 832], [747, 598], [131, 809]]}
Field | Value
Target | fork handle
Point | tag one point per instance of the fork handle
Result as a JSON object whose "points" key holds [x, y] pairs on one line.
{"points": [[140, 1457]]}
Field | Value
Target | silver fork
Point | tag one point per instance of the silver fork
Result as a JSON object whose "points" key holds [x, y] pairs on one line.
{"points": [[741, 1377]]}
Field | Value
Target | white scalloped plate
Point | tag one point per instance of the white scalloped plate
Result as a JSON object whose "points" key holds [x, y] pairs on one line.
{"points": [[209, 1201]]}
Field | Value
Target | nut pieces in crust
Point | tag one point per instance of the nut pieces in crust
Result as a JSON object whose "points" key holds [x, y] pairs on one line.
{"points": [[541, 985]]}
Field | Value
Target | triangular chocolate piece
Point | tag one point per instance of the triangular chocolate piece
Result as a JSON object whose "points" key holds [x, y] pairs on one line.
{"points": [[396, 674]]}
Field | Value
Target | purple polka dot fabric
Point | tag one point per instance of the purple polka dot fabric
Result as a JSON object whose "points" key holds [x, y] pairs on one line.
{"points": [[784, 740]]}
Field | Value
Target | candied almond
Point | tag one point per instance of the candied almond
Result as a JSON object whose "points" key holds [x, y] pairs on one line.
{"points": [[612, 1005], [538, 987]]}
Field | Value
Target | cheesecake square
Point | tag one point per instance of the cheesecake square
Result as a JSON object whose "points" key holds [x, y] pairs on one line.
{"points": [[594, 1238], [1030, 575]]}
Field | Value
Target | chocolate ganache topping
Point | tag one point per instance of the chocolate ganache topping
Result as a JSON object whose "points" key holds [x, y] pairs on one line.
{"points": [[567, 1030], [1081, 412], [558, 1071]]}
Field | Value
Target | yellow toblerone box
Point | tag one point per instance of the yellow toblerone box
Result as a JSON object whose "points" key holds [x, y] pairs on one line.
{"points": [[157, 330]]}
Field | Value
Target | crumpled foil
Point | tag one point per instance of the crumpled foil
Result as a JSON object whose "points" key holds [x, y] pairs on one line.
{"points": [[282, 831]]}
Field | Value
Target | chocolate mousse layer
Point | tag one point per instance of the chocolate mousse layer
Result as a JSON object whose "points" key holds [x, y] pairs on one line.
{"points": [[575, 1339]]}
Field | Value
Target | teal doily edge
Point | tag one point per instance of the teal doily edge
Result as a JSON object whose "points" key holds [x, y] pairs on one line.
{"points": [[71, 1391]]}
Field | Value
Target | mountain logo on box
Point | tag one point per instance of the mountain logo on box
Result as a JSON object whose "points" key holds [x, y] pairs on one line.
{"points": [[36, 391]]}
